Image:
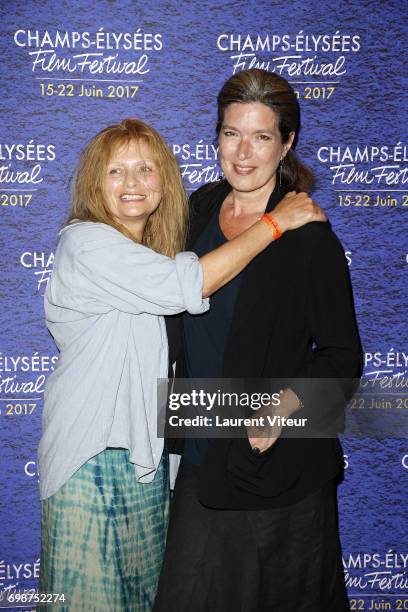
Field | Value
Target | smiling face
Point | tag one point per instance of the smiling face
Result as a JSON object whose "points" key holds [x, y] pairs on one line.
{"points": [[251, 147], [132, 185]]}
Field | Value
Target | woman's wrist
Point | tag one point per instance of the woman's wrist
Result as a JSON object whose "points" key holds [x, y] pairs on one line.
{"points": [[290, 403], [273, 224]]}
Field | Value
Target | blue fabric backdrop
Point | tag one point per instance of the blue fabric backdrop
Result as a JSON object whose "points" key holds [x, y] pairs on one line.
{"points": [[69, 69]]}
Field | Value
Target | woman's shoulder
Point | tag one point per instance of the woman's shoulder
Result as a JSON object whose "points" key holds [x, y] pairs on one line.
{"points": [[317, 231], [87, 234], [319, 240]]}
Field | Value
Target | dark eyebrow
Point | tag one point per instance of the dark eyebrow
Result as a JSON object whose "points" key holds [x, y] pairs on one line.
{"points": [[230, 127]]}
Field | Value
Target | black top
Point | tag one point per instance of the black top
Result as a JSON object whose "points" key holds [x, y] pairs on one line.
{"points": [[293, 317], [205, 335]]}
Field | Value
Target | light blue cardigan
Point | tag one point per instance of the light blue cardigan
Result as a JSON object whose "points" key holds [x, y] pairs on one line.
{"points": [[104, 306]]}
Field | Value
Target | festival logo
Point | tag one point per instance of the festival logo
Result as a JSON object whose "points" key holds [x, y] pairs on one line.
{"points": [[12, 575], [383, 389], [313, 63], [31, 469], [367, 176], [99, 64], [379, 406], [198, 163], [370, 576], [22, 171], [22, 383], [391, 363], [41, 265]]}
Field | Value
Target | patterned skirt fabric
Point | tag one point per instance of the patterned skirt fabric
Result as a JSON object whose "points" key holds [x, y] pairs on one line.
{"points": [[103, 536]]}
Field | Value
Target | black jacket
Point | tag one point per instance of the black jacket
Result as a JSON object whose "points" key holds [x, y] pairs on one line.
{"points": [[293, 317]]}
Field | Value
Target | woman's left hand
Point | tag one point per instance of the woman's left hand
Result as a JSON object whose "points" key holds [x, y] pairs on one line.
{"points": [[262, 438]]}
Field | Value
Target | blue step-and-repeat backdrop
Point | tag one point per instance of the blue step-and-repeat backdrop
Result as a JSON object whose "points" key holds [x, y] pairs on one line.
{"points": [[70, 68]]}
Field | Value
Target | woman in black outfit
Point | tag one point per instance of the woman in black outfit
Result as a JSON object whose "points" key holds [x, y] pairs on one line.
{"points": [[253, 525]]}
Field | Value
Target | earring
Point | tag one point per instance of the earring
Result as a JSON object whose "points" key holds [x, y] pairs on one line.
{"points": [[280, 171]]}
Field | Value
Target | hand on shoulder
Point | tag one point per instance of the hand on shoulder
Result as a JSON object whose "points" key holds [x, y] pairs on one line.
{"points": [[297, 209]]}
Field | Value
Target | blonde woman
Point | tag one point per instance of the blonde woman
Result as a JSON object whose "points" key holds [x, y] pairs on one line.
{"points": [[118, 269]]}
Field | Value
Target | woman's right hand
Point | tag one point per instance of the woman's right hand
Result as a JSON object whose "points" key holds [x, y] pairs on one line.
{"points": [[295, 210], [226, 261]]}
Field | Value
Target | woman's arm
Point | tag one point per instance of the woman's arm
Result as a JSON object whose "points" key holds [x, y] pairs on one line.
{"points": [[105, 270], [322, 390], [330, 314], [225, 262]]}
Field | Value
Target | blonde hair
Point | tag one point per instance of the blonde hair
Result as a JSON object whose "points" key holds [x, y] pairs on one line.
{"points": [[165, 231]]}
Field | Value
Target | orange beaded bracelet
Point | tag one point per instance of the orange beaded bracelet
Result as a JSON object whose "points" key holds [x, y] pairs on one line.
{"points": [[270, 222]]}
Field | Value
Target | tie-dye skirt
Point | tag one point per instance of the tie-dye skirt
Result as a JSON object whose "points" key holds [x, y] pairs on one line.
{"points": [[103, 536]]}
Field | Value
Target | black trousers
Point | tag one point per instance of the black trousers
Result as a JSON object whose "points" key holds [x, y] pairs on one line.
{"points": [[278, 560]]}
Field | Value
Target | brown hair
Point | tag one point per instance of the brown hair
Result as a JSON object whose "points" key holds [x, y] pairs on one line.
{"points": [[257, 85], [165, 231]]}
